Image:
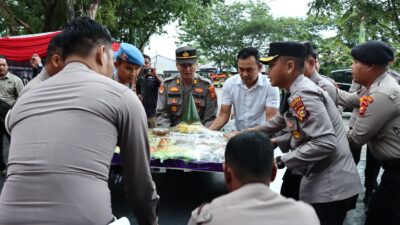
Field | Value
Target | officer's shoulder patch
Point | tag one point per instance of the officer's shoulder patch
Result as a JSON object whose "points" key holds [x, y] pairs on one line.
{"points": [[211, 90], [298, 106], [364, 103]]}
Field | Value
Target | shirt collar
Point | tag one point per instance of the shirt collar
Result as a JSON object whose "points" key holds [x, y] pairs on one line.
{"points": [[295, 83], [7, 76], [260, 81], [315, 76], [378, 80]]}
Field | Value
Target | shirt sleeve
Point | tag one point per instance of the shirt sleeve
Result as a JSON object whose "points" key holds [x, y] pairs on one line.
{"points": [[277, 123], [317, 133], [135, 153], [19, 85], [348, 100], [374, 118], [272, 97], [210, 113], [226, 97], [163, 117]]}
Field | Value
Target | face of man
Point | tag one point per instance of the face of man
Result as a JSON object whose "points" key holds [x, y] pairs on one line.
{"points": [[279, 72], [248, 70], [3, 67], [360, 72], [127, 73], [309, 66], [147, 62], [187, 71]]}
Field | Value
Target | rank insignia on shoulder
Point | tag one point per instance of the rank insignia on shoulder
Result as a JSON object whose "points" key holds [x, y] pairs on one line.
{"points": [[296, 134], [178, 81], [199, 90], [161, 90], [195, 81], [364, 103], [298, 106], [213, 95], [174, 108], [174, 89]]}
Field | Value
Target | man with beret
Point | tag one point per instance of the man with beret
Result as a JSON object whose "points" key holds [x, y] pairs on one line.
{"points": [[175, 90], [128, 64], [320, 150], [378, 124]]}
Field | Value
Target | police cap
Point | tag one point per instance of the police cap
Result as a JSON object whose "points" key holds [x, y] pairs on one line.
{"points": [[284, 48], [373, 52], [130, 54], [186, 55]]}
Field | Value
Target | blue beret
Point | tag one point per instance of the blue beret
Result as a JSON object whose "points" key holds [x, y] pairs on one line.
{"points": [[373, 52], [130, 54]]}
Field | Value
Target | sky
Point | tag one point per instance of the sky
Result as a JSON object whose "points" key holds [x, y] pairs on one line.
{"points": [[165, 44]]}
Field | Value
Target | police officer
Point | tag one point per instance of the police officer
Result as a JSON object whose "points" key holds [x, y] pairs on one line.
{"points": [[175, 90], [378, 124], [128, 63], [321, 153]]}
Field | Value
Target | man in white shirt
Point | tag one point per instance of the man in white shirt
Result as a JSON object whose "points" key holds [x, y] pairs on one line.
{"points": [[253, 98]]}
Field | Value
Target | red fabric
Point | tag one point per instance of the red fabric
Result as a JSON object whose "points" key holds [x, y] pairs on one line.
{"points": [[22, 48]]}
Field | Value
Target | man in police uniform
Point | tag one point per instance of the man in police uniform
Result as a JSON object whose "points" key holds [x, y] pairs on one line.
{"points": [[175, 90], [128, 64], [378, 124], [291, 182], [248, 171], [320, 150]]}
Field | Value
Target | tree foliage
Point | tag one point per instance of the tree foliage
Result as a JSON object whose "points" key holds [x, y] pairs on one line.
{"points": [[381, 20], [128, 21], [221, 30]]}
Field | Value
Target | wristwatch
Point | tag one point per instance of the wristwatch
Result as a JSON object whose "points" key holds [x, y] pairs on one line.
{"points": [[279, 162]]}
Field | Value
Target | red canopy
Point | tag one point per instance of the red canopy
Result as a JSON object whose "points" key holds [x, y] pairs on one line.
{"points": [[22, 48]]}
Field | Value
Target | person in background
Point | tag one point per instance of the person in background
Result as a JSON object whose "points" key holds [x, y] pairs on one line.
{"points": [[128, 63], [64, 133], [248, 170], [36, 63], [147, 89], [10, 89], [251, 94], [54, 63], [176, 89]]}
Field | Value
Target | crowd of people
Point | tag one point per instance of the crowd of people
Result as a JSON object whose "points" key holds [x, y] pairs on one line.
{"points": [[82, 104]]}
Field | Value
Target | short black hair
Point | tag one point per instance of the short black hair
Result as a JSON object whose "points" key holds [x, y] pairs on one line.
{"points": [[82, 35], [251, 155], [248, 52], [55, 47], [298, 62], [3, 57], [146, 57]]}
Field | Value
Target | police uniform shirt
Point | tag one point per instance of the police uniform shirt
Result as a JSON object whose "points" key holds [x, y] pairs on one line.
{"points": [[42, 76], [10, 88], [378, 120], [173, 95], [321, 149], [254, 204], [325, 84], [58, 174]]}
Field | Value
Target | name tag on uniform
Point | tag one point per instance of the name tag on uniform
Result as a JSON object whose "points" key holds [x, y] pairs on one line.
{"points": [[174, 89], [199, 90]]}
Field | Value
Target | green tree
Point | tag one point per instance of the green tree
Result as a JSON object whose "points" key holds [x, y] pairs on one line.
{"points": [[381, 20], [221, 30]]}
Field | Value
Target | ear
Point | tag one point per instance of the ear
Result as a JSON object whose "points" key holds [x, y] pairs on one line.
{"points": [[273, 172], [290, 66], [56, 60], [101, 55], [227, 174]]}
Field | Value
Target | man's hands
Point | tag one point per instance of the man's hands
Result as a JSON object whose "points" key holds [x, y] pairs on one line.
{"points": [[36, 61]]}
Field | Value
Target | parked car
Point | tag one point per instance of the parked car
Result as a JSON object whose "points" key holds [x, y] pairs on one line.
{"points": [[343, 78]]}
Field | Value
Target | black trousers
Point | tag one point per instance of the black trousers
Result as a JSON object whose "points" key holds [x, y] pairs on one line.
{"points": [[3, 133], [372, 167], [334, 213], [291, 185], [385, 203]]}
